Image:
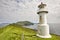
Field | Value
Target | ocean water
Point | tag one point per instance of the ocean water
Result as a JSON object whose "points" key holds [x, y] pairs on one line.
{"points": [[53, 27], [3, 24]]}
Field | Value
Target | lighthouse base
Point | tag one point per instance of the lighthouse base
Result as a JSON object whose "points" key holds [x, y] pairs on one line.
{"points": [[43, 31], [47, 36]]}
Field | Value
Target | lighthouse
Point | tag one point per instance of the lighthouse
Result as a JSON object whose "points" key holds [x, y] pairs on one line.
{"points": [[43, 27]]}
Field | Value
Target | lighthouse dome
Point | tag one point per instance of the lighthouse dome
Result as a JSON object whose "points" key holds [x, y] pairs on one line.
{"points": [[42, 7]]}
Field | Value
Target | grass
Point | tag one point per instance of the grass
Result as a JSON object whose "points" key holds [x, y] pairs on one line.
{"points": [[16, 32]]}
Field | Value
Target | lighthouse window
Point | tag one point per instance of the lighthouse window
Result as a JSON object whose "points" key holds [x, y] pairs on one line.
{"points": [[40, 18]]}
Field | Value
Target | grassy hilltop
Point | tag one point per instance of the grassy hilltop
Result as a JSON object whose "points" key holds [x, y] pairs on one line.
{"points": [[17, 32]]}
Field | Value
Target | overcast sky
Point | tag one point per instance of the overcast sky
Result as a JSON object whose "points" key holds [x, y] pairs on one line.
{"points": [[26, 10]]}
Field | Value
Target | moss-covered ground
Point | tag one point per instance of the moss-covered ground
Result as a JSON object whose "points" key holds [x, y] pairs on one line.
{"points": [[16, 32]]}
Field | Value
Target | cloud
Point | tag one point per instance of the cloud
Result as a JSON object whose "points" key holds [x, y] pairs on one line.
{"points": [[20, 10]]}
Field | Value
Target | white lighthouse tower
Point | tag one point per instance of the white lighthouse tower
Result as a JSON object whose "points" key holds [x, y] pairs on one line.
{"points": [[43, 27]]}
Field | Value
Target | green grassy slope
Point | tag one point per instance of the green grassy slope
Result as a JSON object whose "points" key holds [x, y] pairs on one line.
{"points": [[16, 32]]}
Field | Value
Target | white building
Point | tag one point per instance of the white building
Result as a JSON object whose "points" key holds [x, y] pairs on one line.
{"points": [[43, 27]]}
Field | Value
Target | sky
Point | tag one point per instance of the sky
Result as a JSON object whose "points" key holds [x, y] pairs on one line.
{"points": [[26, 10]]}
